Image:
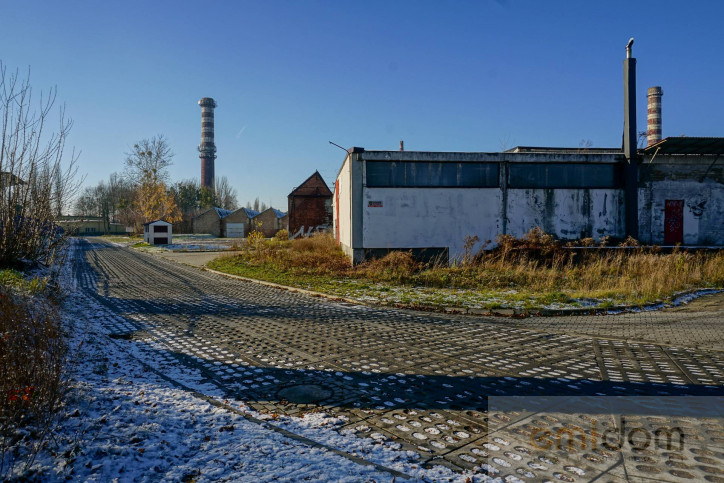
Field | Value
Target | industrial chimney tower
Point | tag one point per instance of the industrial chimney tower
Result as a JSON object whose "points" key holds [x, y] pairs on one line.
{"points": [[207, 148], [653, 129]]}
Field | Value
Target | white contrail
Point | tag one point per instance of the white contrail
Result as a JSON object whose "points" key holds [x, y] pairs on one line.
{"points": [[242, 130]]}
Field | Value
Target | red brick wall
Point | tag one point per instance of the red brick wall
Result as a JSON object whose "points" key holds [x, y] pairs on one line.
{"points": [[309, 211], [310, 205]]}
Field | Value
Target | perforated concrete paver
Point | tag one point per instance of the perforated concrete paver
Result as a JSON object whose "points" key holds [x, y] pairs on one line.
{"points": [[422, 380]]}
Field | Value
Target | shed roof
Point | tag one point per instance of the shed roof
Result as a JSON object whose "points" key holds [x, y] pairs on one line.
{"points": [[277, 213], [687, 145], [311, 188], [222, 212], [156, 221], [250, 213]]}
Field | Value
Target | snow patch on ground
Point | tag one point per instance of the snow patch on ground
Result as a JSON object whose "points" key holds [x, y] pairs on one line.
{"points": [[123, 422]]}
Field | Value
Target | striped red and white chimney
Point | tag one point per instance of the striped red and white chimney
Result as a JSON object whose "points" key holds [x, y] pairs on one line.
{"points": [[653, 129]]}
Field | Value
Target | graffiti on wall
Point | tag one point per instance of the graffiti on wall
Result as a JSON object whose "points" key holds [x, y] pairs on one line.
{"points": [[309, 231]]}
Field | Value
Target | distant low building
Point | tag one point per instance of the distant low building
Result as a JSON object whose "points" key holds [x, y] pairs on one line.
{"points": [[310, 207], [270, 221], [210, 221], [238, 223], [9, 179], [89, 226]]}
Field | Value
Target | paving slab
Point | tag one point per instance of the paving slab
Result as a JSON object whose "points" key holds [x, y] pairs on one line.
{"points": [[427, 380]]}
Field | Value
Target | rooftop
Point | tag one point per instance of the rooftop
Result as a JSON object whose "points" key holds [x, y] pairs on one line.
{"points": [[687, 145], [223, 213], [544, 149]]}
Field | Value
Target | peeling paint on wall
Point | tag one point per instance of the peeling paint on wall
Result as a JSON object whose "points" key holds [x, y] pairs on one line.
{"points": [[697, 207]]}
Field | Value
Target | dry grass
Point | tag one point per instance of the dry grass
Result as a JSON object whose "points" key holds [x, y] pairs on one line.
{"points": [[32, 352], [538, 262], [398, 267], [535, 263], [314, 255]]}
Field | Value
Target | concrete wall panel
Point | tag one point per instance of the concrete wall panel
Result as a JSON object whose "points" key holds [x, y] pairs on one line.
{"points": [[422, 218], [566, 213], [345, 206]]}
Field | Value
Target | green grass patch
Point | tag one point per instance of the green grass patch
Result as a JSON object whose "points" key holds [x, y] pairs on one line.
{"points": [[12, 279], [121, 238]]}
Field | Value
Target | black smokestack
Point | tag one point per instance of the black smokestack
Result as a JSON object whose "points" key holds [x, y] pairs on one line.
{"points": [[629, 143]]}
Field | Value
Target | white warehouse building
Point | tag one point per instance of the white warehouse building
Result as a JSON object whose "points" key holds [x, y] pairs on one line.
{"points": [[429, 202]]}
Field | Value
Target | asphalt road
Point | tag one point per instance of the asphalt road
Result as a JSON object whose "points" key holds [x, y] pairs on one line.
{"points": [[437, 384]]}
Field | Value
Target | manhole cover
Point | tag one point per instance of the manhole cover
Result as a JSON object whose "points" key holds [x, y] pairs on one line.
{"points": [[132, 335], [122, 336], [304, 393]]}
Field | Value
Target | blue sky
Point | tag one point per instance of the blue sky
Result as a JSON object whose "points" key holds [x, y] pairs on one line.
{"points": [[289, 76]]}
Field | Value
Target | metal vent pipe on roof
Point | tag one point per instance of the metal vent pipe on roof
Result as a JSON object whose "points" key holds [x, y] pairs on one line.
{"points": [[653, 129], [629, 143]]}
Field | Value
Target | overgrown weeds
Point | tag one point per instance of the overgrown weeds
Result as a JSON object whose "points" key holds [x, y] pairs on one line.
{"points": [[32, 353], [314, 255], [536, 263]]}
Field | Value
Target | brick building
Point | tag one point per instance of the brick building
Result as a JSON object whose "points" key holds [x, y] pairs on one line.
{"points": [[270, 221], [310, 207], [238, 223], [210, 221]]}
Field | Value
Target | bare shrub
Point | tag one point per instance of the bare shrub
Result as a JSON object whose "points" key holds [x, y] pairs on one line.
{"points": [[35, 183], [395, 266], [535, 246], [319, 252], [32, 352]]}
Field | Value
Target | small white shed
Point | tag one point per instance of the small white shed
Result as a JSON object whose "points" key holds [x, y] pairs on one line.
{"points": [[157, 232]]}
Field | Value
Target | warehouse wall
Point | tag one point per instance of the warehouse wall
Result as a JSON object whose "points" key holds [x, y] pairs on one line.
{"points": [[408, 200], [698, 181]]}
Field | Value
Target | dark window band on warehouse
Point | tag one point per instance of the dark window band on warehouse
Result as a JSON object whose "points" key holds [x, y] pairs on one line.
{"points": [[564, 176], [417, 174]]}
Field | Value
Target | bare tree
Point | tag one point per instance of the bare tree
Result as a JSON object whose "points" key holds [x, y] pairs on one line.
{"points": [[149, 158], [147, 170], [225, 195], [642, 139], [506, 142], [585, 145], [36, 175]]}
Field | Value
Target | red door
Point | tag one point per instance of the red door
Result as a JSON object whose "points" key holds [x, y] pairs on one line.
{"points": [[673, 222]]}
